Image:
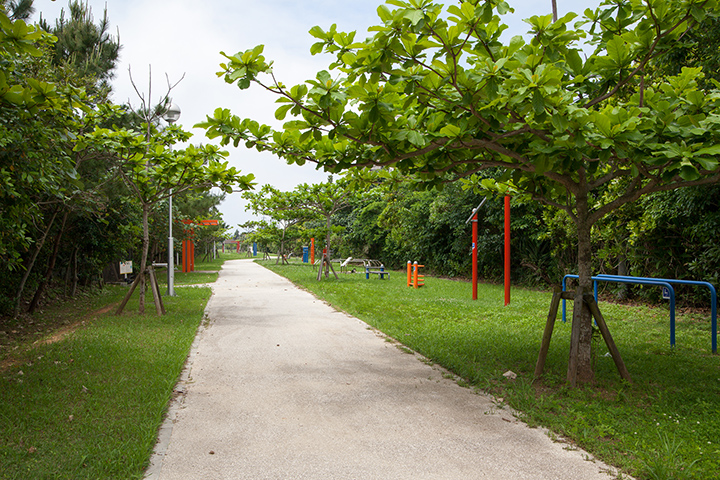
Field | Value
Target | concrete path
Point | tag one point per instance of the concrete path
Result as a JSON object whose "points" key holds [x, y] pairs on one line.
{"points": [[281, 386]]}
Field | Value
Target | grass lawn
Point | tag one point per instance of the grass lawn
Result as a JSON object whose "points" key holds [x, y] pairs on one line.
{"points": [[83, 396], [663, 425]]}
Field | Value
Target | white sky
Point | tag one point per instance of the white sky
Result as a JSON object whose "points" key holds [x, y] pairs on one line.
{"points": [[177, 37]]}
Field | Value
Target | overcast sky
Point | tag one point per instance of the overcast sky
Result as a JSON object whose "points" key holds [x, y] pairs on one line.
{"points": [[185, 37]]}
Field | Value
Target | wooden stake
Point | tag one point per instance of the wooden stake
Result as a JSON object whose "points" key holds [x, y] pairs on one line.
{"points": [[125, 300], [547, 334], [159, 307], [602, 325], [327, 265], [605, 331]]}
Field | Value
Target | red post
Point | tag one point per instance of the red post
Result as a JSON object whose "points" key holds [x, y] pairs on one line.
{"points": [[507, 250], [312, 251], [185, 255], [474, 255]]}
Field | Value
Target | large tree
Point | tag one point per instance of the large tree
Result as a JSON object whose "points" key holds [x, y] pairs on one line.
{"points": [[153, 171], [433, 93]]}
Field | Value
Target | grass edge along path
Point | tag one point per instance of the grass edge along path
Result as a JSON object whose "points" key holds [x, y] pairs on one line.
{"points": [[665, 425], [89, 405]]}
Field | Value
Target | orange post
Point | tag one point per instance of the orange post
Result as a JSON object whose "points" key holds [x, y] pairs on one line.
{"points": [[409, 274], [418, 280], [312, 251]]}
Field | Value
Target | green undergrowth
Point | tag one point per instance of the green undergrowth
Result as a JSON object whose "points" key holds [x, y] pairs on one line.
{"points": [[663, 425], [86, 401]]}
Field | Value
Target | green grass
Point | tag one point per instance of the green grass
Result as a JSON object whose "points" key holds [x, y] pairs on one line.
{"points": [[664, 425], [205, 272], [89, 405]]}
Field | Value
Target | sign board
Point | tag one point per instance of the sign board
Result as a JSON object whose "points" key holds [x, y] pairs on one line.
{"points": [[126, 267], [665, 293]]}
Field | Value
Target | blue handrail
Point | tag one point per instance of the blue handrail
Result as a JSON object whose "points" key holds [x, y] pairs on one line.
{"points": [[635, 280], [713, 300]]}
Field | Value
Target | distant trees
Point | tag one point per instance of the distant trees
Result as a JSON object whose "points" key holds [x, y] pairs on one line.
{"points": [[304, 206]]}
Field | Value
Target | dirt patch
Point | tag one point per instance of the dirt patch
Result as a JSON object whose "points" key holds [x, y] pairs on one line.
{"points": [[20, 340]]}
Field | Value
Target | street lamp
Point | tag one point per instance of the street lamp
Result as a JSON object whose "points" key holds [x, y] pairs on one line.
{"points": [[172, 114]]}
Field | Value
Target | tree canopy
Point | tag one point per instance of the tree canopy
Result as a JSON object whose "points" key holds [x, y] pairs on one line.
{"points": [[436, 93]]}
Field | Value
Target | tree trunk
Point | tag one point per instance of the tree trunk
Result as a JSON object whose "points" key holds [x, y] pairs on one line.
{"points": [[143, 258], [51, 266], [282, 250], [327, 246], [31, 264], [76, 274], [623, 271], [580, 364], [143, 264]]}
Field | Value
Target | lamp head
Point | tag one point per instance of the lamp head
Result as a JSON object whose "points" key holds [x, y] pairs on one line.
{"points": [[172, 114]]}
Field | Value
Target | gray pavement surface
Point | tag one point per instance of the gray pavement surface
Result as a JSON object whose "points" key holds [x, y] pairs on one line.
{"points": [[281, 386]]}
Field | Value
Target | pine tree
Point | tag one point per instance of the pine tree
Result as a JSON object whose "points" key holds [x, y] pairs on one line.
{"points": [[86, 47], [17, 9]]}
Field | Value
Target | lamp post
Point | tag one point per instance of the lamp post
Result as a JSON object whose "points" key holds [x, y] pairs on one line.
{"points": [[172, 114]]}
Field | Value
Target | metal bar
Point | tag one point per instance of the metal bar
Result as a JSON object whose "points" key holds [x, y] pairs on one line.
{"points": [[638, 281], [713, 300]]}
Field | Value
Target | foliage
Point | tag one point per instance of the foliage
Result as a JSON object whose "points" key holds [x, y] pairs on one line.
{"points": [[700, 47]]}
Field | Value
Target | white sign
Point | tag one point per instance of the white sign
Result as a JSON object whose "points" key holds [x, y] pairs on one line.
{"points": [[125, 267], [665, 293]]}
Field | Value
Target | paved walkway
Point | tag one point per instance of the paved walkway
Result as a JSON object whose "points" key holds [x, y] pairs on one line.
{"points": [[281, 386]]}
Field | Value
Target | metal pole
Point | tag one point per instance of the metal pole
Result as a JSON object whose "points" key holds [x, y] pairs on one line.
{"points": [[171, 115], [474, 256], [507, 250], [474, 219]]}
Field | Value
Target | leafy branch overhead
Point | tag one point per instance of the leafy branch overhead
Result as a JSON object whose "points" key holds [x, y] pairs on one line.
{"points": [[435, 94]]}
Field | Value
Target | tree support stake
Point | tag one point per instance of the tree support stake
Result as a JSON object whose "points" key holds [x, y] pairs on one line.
{"points": [[589, 300]]}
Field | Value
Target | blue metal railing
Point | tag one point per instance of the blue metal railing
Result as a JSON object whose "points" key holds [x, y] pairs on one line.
{"points": [[713, 299], [634, 280]]}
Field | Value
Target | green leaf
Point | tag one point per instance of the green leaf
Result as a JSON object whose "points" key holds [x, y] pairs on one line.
{"points": [[714, 150], [415, 16], [560, 122], [574, 61], [538, 102], [450, 131], [603, 124], [318, 32], [707, 163], [689, 173], [416, 138], [282, 111]]}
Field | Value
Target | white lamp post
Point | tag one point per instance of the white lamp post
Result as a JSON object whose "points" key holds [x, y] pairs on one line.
{"points": [[172, 114]]}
